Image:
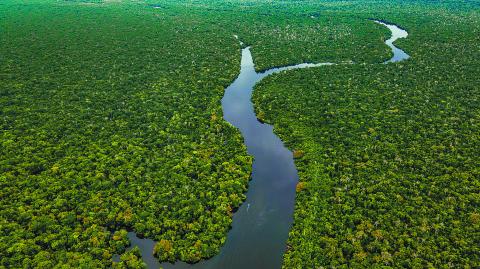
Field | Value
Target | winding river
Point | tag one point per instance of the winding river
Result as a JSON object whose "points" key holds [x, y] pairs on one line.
{"points": [[261, 225], [397, 32]]}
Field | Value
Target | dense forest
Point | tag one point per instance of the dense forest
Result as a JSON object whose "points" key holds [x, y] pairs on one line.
{"points": [[389, 170], [110, 121]]}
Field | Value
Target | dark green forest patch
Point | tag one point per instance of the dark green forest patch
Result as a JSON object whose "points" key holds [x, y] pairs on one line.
{"points": [[390, 173], [111, 122]]}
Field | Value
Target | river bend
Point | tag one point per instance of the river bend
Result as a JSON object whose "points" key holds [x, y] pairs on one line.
{"points": [[261, 225]]}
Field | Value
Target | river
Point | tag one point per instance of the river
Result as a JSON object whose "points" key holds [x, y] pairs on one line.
{"points": [[261, 225]]}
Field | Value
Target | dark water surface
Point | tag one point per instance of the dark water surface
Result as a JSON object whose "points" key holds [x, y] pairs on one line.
{"points": [[261, 224], [260, 227]]}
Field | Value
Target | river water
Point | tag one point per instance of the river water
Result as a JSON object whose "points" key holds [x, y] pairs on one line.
{"points": [[261, 225], [397, 32]]}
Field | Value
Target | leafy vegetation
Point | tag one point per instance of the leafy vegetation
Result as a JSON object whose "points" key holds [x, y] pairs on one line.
{"points": [[390, 172], [111, 122]]}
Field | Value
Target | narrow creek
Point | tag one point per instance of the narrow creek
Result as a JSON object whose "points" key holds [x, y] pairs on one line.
{"points": [[261, 225]]}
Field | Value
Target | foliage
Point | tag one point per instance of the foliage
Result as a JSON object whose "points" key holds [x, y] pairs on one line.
{"points": [[130, 260], [391, 151], [111, 121]]}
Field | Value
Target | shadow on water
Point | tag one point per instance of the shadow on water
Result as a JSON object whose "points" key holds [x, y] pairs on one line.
{"points": [[261, 224]]}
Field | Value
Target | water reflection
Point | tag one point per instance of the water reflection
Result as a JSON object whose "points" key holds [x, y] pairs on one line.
{"points": [[397, 32], [261, 224]]}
